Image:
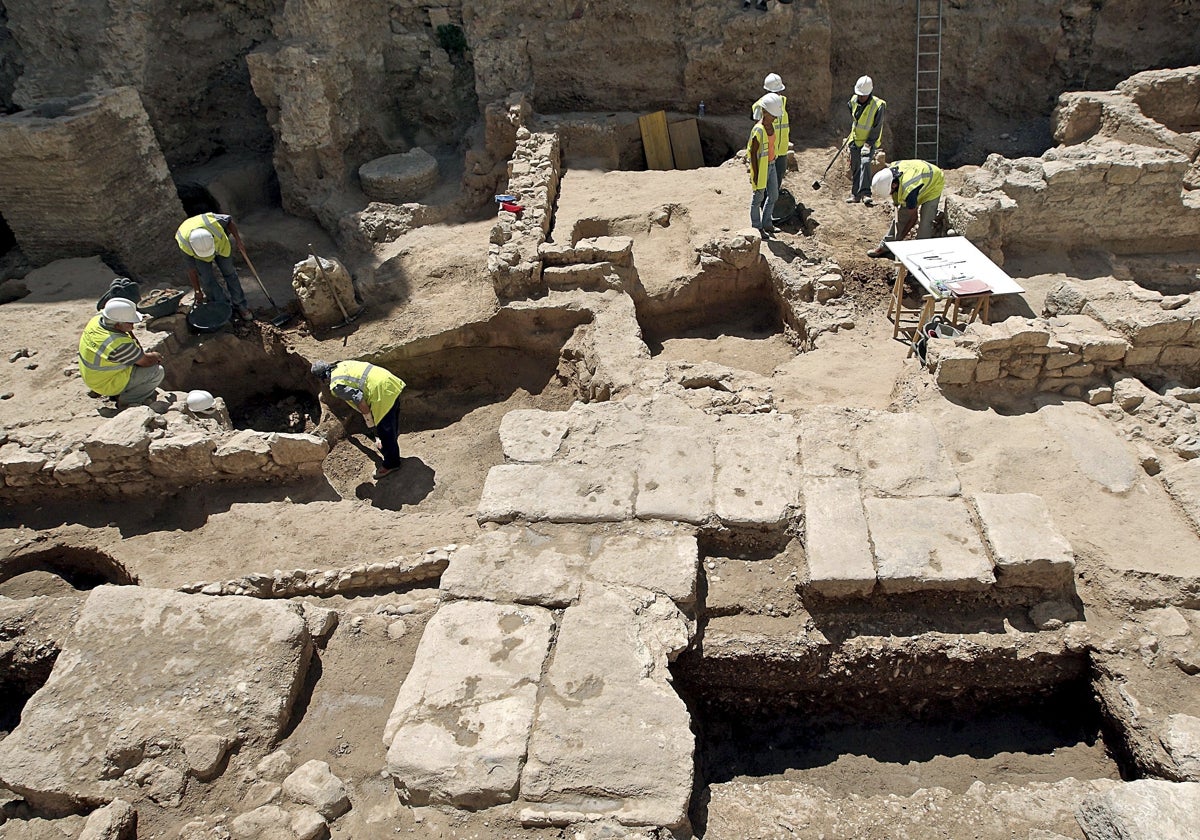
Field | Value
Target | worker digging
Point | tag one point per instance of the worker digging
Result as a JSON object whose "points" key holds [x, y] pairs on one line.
{"points": [[915, 187], [866, 126], [205, 240], [375, 393]]}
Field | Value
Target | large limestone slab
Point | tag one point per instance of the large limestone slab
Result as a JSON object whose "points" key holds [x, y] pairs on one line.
{"points": [[658, 557], [612, 738], [557, 492], [532, 435], [1146, 809], [840, 561], [144, 669], [757, 470], [675, 474], [927, 544], [829, 441], [902, 455], [1100, 454], [1026, 547], [458, 730], [518, 566]]}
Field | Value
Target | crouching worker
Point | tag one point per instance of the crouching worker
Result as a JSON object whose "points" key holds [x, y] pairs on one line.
{"points": [[915, 187], [375, 392], [112, 362]]}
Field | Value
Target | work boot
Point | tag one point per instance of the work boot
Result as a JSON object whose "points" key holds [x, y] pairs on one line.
{"points": [[868, 201], [852, 200], [245, 314], [876, 253]]}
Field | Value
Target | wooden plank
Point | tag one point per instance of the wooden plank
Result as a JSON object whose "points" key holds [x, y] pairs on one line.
{"points": [[685, 145], [656, 141]]}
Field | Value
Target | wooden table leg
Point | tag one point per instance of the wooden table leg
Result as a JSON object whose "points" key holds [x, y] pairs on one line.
{"points": [[897, 301]]}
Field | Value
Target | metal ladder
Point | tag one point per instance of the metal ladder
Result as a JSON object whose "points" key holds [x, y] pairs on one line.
{"points": [[928, 97]]}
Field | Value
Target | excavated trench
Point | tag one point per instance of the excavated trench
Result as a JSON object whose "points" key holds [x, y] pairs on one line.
{"points": [[59, 570]]}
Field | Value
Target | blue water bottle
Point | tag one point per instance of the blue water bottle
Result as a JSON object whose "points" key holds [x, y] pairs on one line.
{"points": [[701, 110]]}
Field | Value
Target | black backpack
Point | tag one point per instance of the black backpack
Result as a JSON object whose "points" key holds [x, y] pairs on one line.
{"points": [[120, 287]]}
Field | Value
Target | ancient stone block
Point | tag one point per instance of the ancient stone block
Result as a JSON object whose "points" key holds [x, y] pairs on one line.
{"points": [[325, 291], [401, 178], [71, 469], [125, 436], [1177, 356], [313, 783], [902, 455], [513, 566], [829, 441], [1100, 454], [675, 475], [952, 365], [609, 678], [559, 493], [1181, 739], [837, 544], [246, 452], [531, 435], [290, 450], [186, 454], [757, 470], [229, 667], [1026, 547], [927, 545], [590, 277], [656, 557], [458, 731], [115, 821], [1144, 809], [1103, 348]]}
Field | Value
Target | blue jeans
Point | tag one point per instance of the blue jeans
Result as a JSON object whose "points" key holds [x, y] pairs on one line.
{"points": [[212, 289], [762, 202], [860, 170], [387, 431]]}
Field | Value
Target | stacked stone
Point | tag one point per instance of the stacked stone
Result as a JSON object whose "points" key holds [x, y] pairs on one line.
{"points": [[1064, 355], [534, 172], [323, 582], [603, 262], [140, 452], [86, 176]]}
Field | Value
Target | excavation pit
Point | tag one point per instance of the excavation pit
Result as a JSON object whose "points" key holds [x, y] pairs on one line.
{"points": [[748, 336], [278, 411], [59, 571]]}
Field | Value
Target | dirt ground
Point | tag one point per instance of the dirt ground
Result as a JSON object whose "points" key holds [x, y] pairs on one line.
{"points": [[433, 279]]}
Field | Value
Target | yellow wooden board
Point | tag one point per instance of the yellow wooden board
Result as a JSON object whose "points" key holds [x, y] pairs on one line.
{"points": [[685, 145], [656, 141]]}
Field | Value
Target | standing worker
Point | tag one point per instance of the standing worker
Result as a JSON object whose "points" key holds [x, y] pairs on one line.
{"points": [[112, 362], [915, 187], [760, 152], [375, 392], [205, 239], [866, 123], [773, 84]]}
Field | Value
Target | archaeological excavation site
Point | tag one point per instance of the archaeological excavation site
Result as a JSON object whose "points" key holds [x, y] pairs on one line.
{"points": [[711, 517]]}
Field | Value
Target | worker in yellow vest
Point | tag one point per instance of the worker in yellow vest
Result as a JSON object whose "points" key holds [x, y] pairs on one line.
{"points": [[375, 393], [866, 124], [773, 84], [112, 362], [207, 239], [761, 153], [915, 187]]}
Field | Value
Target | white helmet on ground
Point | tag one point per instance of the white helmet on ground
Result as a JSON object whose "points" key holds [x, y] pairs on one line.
{"points": [[773, 83], [122, 311], [202, 243], [199, 401], [881, 184], [773, 104], [864, 86]]}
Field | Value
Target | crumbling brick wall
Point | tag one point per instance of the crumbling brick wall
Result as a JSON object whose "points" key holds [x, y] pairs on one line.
{"points": [[86, 176]]}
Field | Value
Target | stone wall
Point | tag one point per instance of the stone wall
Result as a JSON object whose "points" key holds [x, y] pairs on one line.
{"points": [[140, 451], [86, 176], [533, 175]]}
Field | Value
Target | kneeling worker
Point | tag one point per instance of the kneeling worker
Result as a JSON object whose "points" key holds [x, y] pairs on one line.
{"points": [[204, 240], [915, 187], [375, 392], [112, 362]]}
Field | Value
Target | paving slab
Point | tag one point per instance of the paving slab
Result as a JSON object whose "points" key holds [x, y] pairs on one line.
{"points": [[1145, 809], [757, 475], [558, 493], [1098, 451], [142, 670], [902, 455], [675, 471], [1027, 548], [829, 441], [532, 435], [841, 563], [927, 544], [658, 557], [612, 738], [516, 565], [458, 731]]}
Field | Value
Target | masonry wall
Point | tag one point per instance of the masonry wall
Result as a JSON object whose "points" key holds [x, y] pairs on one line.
{"points": [[86, 176]]}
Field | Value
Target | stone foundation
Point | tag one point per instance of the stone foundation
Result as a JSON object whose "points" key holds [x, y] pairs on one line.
{"points": [[534, 173], [86, 176]]}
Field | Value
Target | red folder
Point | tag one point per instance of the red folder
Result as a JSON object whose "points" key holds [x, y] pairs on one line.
{"points": [[961, 288]]}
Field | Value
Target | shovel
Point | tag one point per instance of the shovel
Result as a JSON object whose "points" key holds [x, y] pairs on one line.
{"points": [[817, 183], [283, 317], [346, 318]]}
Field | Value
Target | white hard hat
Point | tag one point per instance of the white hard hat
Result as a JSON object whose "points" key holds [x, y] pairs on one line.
{"points": [[122, 311], [773, 104], [881, 184], [773, 83], [200, 400], [864, 86], [202, 243]]}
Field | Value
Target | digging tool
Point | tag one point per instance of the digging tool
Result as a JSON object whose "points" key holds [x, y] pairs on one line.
{"points": [[817, 183], [346, 318], [280, 318]]}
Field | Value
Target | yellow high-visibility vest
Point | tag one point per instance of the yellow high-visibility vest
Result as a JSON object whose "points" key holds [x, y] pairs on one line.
{"points": [[782, 126], [380, 387], [95, 345], [860, 128], [918, 175], [209, 222], [759, 132]]}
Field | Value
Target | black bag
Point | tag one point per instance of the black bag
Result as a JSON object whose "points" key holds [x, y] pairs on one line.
{"points": [[120, 287], [935, 327]]}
